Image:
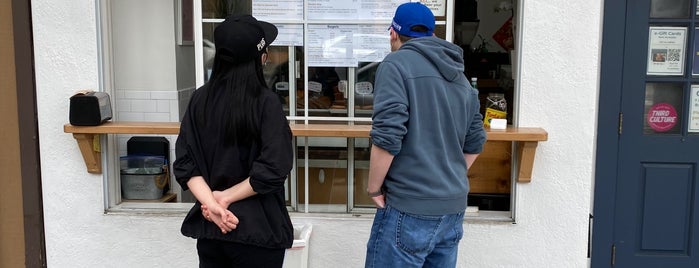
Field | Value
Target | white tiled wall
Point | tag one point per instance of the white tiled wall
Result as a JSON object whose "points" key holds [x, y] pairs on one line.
{"points": [[147, 106]]}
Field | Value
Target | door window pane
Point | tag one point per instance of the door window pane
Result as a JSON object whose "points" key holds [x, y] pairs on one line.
{"points": [[694, 58], [694, 110], [669, 8], [663, 108]]}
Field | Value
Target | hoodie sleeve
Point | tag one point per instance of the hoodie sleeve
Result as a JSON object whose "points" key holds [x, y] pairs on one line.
{"points": [[390, 109], [476, 136], [185, 167], [271, 167]]}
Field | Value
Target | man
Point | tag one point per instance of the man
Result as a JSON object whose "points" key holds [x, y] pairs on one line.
{"points": [[426, 132]]}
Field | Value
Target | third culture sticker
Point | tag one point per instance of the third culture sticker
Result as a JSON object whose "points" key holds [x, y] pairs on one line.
{"points": [[662, 117]]}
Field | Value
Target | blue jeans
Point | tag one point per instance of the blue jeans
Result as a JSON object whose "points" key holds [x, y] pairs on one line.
{"points": [[404, 240]]}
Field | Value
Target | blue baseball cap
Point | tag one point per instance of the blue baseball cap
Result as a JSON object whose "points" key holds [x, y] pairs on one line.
{"points": [[413, 14]]}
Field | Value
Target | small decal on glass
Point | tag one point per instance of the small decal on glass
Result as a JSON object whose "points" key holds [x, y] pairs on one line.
{"points": [[662, 117]]}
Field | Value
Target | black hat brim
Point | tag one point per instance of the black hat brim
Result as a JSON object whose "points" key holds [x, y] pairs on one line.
{"points": [[270, 31]]}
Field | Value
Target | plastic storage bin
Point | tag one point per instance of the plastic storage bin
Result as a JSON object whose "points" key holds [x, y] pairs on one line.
{"points": [[150, 146], [297, 255], [143, 177]]}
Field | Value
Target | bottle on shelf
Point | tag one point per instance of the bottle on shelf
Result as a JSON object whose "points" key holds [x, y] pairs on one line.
{"points": [[474, 83], [496, 107]]}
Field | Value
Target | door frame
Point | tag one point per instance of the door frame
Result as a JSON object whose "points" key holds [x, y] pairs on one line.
{"points": [[608, 120], [27, 174]]}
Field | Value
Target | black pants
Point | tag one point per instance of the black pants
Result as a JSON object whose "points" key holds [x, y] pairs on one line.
{"points": [[216, 253]]}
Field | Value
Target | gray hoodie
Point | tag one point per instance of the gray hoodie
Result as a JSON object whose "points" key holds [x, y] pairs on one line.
{"points": [[427, 115]]}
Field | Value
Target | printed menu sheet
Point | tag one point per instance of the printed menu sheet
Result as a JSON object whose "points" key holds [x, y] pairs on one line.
{"points": [[371, 43], [286, 10], [379, 9], [346, 44], [330, 45], [289, 35], [666, 50], [352, 9], [694, 109], [277, 10], [438, 7]]}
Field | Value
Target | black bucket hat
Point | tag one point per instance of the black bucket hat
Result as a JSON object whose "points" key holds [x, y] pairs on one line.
{"points": [[243, 38]]}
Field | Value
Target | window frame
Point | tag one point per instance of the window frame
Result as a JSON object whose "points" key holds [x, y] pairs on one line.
{"points": [[112, 199]]}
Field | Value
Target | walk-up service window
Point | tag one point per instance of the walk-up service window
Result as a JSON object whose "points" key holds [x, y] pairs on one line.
{"points": [[322, 66]]}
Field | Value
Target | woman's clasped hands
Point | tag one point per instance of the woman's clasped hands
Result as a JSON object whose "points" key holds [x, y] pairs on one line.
{"points": [[218, 213]]}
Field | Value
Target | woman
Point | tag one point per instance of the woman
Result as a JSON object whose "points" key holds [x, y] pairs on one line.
{"points": [[234, 153]]}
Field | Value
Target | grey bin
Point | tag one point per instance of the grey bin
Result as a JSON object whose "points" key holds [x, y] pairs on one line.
{"points": [[143, 177]]}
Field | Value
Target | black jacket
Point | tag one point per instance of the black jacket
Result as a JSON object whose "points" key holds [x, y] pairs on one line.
{"points": [[200, 151]]}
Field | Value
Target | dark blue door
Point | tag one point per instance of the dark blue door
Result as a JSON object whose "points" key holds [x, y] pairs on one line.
{"points": [[653, 193]]}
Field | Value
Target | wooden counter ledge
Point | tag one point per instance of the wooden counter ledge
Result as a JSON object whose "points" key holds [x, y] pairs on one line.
{"points": [[526, 138]]}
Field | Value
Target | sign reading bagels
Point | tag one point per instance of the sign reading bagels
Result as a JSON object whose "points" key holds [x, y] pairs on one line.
{"points": [[662, 117]]}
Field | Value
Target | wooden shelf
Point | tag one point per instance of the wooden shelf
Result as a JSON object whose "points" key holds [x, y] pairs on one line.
{"points": [[169, 128], [87, 137], [330, 130]]}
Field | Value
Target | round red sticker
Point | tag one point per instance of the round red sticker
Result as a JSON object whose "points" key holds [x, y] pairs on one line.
{"points": [[662, 117]]}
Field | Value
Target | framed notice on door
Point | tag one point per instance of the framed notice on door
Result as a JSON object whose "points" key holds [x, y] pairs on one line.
{"points": [[694, 109], [666, 50]]}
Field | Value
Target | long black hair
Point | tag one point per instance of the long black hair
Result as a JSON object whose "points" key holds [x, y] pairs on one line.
{"points": [[242, 83]]}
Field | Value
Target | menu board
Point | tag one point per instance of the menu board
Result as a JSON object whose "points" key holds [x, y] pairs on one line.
{"points": [[330, 45], [276, 10], [289, 35], [330, 40], [438, 7], [292, 10], [352, 9], [379, 9], [371, 43], [346, 44], [666, 50]]}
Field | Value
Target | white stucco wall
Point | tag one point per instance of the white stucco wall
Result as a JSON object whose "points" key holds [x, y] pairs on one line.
{"points": [[559, 75]]}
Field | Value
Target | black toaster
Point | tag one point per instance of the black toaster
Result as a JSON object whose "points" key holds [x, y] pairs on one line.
{"points": [[90, 108]]}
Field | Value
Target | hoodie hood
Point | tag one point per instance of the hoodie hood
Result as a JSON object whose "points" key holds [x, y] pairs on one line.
{"points": [[447, 57]]}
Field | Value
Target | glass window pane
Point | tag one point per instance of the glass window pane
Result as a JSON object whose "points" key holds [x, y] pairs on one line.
{"points": [[440, 31], [669, 8], [276, 73], [694, 110], [222, 8], [322, 91], [364, 89], [663, 108], [209, 48], [361, 173], [327, 174], [694, 58]]}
